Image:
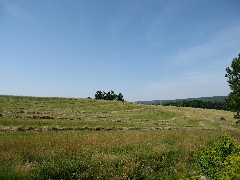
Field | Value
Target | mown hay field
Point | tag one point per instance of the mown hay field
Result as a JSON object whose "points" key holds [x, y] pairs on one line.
{"points": [[70, 138]]}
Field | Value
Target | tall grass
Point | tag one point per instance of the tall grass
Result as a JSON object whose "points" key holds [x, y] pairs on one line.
{"points": [[101, 155]]}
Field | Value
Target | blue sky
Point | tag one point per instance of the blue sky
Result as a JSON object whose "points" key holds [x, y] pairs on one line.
{"points": [[145, 49]]}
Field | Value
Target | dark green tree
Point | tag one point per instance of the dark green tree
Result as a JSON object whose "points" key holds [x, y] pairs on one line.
{"points": [[108, 96], [120, 97], [113, 95], [99, 95], [233, 75], [104, 95]]}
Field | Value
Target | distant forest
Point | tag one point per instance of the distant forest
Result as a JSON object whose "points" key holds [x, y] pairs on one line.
{"points": [[215, 102]]}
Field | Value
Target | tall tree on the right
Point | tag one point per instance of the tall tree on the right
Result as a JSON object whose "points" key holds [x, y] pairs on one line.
{"points": [[120, 97], [233, 75]]}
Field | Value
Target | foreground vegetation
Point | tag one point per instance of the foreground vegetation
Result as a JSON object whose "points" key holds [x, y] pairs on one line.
{"points": [[105, 155], [60, 138]]}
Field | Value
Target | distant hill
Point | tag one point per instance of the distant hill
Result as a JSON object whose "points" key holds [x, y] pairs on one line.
{"points": [[211, 99]]}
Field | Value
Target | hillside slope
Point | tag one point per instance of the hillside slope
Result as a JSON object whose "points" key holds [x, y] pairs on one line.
{"points": [[72, 113]]}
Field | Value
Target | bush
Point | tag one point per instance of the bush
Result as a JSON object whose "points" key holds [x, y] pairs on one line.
{"points": [[220, 160]]}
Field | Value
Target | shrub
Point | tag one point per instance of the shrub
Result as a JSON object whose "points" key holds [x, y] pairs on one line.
{"points": [[220, 160]]}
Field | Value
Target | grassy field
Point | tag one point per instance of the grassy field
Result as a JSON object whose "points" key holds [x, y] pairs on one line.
{"points": [[69, 138]]}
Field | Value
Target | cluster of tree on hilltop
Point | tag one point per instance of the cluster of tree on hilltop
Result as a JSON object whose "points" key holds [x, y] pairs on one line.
{"points": [[198, 104], [109, 96]]}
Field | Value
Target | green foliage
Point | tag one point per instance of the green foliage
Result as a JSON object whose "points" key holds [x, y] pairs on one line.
{"points": [[198, 104], [120, 97], [233, 75], [109, 96], [220, 99], [98, 95], [220, 160]]}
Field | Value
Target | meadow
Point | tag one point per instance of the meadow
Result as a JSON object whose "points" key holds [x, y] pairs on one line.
{"points": [[71, 138]]}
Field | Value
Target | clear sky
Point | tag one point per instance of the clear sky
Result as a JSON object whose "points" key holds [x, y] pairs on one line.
{"points": [[145, 49]]}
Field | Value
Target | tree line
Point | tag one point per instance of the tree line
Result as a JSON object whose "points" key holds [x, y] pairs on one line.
{"points": [[198, 104], [109, 96]]}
